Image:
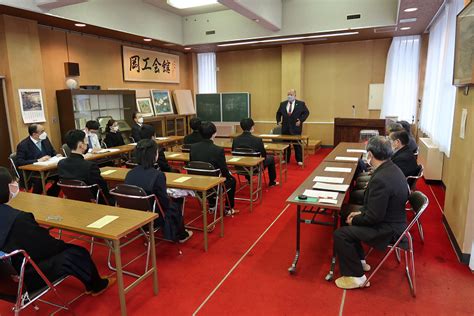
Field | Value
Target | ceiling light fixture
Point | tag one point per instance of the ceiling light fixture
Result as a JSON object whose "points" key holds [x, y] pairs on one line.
{"points": [[405, 28], [410, 9], [289, 39], [80, 24], [187, 48], [186, 4], [147, 39]]}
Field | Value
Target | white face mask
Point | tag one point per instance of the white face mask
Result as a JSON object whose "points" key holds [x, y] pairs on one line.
{"points": [[140, 120], [291, 98], [115, 128], [43, 136], [14, 189]]}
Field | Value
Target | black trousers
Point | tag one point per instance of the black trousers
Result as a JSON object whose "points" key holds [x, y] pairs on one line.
{"points": [[230, 185], [298, 153], [269, 163], [38, 188]]}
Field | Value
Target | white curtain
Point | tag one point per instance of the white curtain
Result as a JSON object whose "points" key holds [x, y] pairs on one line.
{"points": [[438, 93], [401, 78], [207, 79]]}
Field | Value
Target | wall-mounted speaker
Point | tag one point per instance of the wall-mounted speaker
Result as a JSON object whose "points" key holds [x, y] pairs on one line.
{"points": [[71, 69]]}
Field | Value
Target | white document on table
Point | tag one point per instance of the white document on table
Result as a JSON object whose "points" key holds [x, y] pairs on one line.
{"points": [[338, 169], [340, 158], [321, 194], [362, 151], [161, 138], [107, 150], [132, 144], [235, 159], [269, 135], [328, 179], [331, 187], [181, 179], [51, 161], [107, 172], [101, 222], [328, 201], [173, 155]]}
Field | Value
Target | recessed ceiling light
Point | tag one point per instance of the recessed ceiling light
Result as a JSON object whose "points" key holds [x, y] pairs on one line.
{"points": [[405, 28], [187, 48], [80, 24], [185, 4], [411, 20], [147, 39], [410, 9]]}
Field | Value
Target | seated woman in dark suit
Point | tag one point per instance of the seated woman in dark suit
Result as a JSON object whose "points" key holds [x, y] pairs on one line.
{"points": [[55, 258], [153, 181], [113, 137]]}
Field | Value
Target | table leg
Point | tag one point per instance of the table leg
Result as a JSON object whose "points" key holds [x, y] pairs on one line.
{"points": [[280, 157], [121, 290], [221, 207], [330, 274], [43, 181], [25, 180], [303, 151], [153, 257], [251, 189], [204, 218], [292, 268]]}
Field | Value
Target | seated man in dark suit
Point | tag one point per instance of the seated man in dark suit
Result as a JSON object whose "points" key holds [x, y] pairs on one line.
{"points": [[412, 146], [55, 258], [378, 221], [137, 126], [195, 136], [37, 148], [206, 151], [247, 140], [75, 167], [148, 132]]}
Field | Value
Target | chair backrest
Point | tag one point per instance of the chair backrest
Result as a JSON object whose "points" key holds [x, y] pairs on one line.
{"points": [[12, 159], [132, 140], [202, 168], [79, 191], [185, 148], [245, 152], [134, 197], [419, 203], [66, 150], [412, 180], [276, 130]]}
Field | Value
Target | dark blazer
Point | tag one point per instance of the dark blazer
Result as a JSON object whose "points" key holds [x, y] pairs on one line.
{"points": [[162, 162], [406, 161], [300, 112], [136, 132], [113, 139], [412, 144], [27, 152], [208, 152], [193, 138], [247, 140], [384, 204], [152, 181], [76, 167]]}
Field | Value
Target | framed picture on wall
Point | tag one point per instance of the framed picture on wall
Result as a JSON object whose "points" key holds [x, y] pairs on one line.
{"points": [[464, 52], [162, 102], [144, 106], [31, 105]]}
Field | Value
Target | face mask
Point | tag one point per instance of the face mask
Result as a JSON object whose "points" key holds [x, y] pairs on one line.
{"points": [[291, 98], [43, 136], [14, 189], [115, 128], [140, 120], [369, 160]]}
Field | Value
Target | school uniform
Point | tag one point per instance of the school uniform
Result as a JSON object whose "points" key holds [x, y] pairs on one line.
{"points": [[193, 138], [136, 132], [113, 139]]}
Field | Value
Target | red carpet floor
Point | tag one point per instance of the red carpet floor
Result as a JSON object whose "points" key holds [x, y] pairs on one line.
{"points": [[245, 273]]}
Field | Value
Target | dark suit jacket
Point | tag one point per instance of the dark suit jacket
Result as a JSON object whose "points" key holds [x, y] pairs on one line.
{"points": [[27, 152], [194, 137], [76, 167], [136, 132], [412, 144], [300, 112], [384, 204], [113, 139], [162, 162], [208, 152], [247, 140], [406, 161]]}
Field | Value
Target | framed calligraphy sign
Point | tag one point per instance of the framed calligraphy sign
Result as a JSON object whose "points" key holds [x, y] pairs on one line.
{"points": [[148, 65]]}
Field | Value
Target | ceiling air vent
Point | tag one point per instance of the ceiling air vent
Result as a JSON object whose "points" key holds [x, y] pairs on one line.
{"points": [[210, 32], [385, 29], [353, 16]]}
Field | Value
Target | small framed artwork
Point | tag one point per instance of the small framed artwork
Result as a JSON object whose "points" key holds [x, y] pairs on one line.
{"points": [[31, 105], [162, 102], [144, 106], [464, 49]]}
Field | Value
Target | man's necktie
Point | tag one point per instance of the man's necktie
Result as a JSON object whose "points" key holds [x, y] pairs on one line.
{"points": [[89, 144], [290, 110], [38, 144]]}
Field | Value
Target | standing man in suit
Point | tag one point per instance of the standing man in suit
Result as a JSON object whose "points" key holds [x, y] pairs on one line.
{"points": [[75, 167], [37, 148], [378, 221], [291, 114], [137, 125]]}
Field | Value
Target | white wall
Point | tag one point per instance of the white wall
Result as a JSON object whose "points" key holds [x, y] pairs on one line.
{"points": [[22, 4]]}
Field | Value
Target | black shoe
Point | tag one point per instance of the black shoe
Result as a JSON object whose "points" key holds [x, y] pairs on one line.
{"points": [[273, 183]]}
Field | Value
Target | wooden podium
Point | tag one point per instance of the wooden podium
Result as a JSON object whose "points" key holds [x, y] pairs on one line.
{"points": [[348, 129]]}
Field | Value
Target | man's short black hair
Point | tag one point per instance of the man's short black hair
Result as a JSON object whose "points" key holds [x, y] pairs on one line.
{"points": [[147, 131], [246, 124], [380, 147], [134, 115], [402, 136], [93, 125], [32, 128], [394, 127], [406, 126], [207, 129], [194, 123], [74, 137], [5, 179], [145, 153]]}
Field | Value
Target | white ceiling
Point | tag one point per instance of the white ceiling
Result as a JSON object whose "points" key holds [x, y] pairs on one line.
{"points": [[162, 4]]}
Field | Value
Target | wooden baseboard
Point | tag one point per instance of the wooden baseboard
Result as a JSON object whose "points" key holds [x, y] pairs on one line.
{"points": [[463, 257]]}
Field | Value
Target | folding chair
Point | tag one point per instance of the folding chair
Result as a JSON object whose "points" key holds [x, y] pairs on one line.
{"points": [[419, 203], [412, 180], [257, 171], [131, 139], [12, 284], [133, 197], [186, 148], [66, 150], [12, 159], [206, 169]]}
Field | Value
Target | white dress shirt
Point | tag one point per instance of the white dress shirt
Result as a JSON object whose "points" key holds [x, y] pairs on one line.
{"points": [[94, 140], [290, 106]]}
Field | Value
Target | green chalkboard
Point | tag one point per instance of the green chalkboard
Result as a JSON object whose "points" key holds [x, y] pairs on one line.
{"points": [[208, 106], [235, 106]]}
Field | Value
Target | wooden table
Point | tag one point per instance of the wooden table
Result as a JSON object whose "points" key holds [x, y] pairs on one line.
{"points": [[75, 216], [302, 140], [199, 184], [246, 163], [341, 151], [316, 208], [276, 148]]}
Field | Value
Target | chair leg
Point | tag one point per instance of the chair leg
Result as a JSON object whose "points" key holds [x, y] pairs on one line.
{"points": [[420, 230], [92, 245], [397, 255], [410, 265]]}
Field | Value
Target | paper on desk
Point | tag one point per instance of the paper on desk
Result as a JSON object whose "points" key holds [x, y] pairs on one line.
{"points": [[107, 172], [50, 161], [328, 201], [182, 179], [338, 169], [101, 222], [265, 146], [107, 150], [269, 135], [362, 151], [162, 138], [132, 144], [328, 179], [346, 158], [321, 194], [173, 155], [235, 159], [331, 187]]}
